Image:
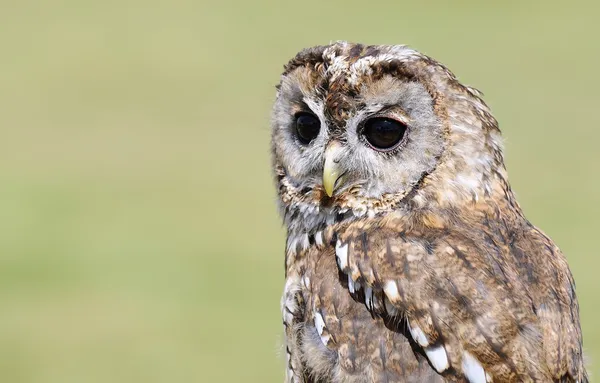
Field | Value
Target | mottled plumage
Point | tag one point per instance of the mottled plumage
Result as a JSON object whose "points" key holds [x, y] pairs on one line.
{"points": [[409, 260]]}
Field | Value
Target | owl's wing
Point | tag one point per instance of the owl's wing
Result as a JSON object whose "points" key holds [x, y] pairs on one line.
{"points": [[479, 306]]}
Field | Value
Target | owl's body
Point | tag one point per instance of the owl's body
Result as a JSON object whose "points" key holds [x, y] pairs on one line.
{"points": [[408, 258]]}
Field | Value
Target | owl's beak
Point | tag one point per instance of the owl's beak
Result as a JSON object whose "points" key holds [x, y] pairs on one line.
{"points": [[331, 169]]}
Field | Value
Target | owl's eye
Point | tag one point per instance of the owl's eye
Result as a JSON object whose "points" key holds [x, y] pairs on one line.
{"points": [[307, 127], [383, 133]]}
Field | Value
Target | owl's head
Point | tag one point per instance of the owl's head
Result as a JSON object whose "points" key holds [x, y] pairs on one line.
{"points": [[364, 129]]}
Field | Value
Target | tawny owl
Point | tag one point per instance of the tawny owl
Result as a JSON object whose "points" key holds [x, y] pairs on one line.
{"points": [[408, 258]]}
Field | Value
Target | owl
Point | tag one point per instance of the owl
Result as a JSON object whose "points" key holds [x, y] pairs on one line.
{"points": [[408, 258]]}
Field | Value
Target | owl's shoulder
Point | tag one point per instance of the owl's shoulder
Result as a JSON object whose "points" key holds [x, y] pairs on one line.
{"points": [[477, 265], [490, 241]]}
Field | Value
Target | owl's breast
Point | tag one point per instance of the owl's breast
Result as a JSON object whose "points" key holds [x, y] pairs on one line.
{"points": [[335, 335]]}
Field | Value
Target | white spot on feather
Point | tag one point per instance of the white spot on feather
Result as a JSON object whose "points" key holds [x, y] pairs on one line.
{"points": [[351, 286], [359, 211], [360, 68], [438, 358], [337, 65], [389, 307], [369, 297], [391, 291], [289, 283], [418, 335], [288, 317], [306, 281], [472, 369], [289, 371], [303, 241], [320, 326], [319, 323], [341, 253], [319, 238], [289, 305]]}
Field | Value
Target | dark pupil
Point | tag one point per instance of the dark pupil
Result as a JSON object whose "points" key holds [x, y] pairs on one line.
{"points": [[383, 133], [307, 127]]}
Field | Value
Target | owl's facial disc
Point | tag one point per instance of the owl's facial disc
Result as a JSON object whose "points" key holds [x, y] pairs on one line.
{"points": [[364, 129], [380, 143], [352, 135]]}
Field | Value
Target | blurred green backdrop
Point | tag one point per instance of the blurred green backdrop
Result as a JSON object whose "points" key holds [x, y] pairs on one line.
{"points": [[139, 239]]}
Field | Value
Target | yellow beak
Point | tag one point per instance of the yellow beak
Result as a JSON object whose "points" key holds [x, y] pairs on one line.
{"points": [[331, 169]]}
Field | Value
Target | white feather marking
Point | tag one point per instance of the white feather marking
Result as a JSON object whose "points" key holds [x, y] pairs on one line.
{"points": [[472, 369], [289, 371], [304, 242], [389, 307], [341, 253], [369, 297], [289, 284], [468, 182], [359, 211], [360, 68], [319, 238], [320, 326], [306, 281], [319, 323], [289, 306], [488, 188], [418, 335], [337, 66], [288, 316], [391, 291], [438, 358]]}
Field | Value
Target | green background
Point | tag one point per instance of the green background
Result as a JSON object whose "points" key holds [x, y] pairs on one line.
{"points": [[139, 239]]}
